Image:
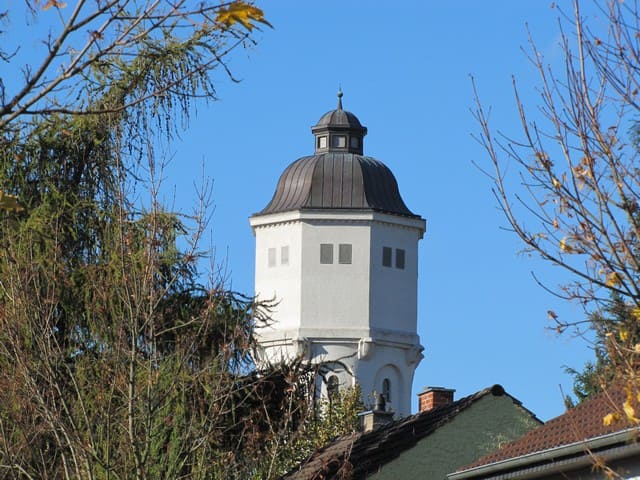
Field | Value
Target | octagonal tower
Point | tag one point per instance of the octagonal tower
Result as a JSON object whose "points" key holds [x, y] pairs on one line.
{"points": [[338, 249]]}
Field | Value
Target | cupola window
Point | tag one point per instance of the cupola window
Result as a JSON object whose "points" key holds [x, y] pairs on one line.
{"points": [[354, 142], [339, 141], [322, 142]]}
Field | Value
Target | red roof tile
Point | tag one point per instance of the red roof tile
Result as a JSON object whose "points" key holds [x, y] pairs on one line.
{"points": [[580, 423]]}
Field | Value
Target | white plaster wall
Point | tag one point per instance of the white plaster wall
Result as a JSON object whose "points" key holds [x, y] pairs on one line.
{"points": [[335, 296], [387, 361], [394, 292], [330, 308], [281, 282]]}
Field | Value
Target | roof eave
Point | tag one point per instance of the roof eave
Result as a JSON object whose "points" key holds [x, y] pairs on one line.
{"points": [[556, 457]]}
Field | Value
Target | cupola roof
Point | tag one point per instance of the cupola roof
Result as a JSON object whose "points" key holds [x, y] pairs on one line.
{"points": [[339, 131], [338, 176]]}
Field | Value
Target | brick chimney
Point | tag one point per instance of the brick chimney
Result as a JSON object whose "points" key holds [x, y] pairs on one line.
{"points": [[434, 397]]}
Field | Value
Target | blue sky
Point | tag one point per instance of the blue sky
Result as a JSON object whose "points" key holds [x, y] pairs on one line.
{"points": [[405, 72]]}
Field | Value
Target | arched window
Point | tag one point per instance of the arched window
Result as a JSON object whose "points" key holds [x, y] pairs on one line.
{"points": [[333, 385], [386, 389]]}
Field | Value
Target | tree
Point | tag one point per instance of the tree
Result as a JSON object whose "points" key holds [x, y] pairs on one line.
{"points": [[144, 60], [616, 332], [119, 357], [577, 205]]}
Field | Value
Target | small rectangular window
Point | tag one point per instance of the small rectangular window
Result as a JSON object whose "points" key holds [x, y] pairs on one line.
{"points": [[344, 253], [272, 257], [386, 256], [326, 253], [355, 142], [284, 255], [322, 142], [400, 258], [338, 141]]}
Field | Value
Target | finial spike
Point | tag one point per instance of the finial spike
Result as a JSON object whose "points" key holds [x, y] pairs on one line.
{"points": [[340, 97]]}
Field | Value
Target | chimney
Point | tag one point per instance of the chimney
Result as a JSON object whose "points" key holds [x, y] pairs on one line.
{"points": [[376, 418], [434, 397]]}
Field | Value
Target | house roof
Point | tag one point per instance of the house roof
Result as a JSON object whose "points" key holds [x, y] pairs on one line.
{"points": [[362, 453], [575, 427]]}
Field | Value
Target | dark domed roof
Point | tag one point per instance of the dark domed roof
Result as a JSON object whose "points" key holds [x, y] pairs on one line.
{"points": [[337, 181], [339, 118], [338, 176], [339, 123]]}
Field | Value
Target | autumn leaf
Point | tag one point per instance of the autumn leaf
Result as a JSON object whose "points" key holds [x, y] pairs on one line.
{"points": [[624, 335], [613, 279], [9, 202], [243, 13], [629, 411], [53, 3], [610, 418], [565, 247]]}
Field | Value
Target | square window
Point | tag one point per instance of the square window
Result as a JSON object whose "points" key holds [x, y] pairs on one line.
{"points": [[272, 257], [338, 141], [344, 253], [284, 255], [400, 258], [326, 253], [386, 256], [354, 142], [322, 142]]}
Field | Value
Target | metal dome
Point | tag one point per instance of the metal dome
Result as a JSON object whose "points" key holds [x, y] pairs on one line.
{"points": [[339, 118], [337, 181]]}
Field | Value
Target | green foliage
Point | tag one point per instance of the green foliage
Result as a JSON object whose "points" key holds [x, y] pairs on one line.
{"points": [[617, 332], [329, 419], [117, 360]]}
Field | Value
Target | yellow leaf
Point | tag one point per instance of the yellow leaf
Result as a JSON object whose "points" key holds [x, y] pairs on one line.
{"points": [[629, 411], [9, 202], [243, 13], [565, 247], [636, 313], [624, 335], [636, 349], [610, 418], [613, 279], [555, 182]]}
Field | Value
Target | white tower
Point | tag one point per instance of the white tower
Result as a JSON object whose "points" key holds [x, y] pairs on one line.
{"points": [[338, 249]]}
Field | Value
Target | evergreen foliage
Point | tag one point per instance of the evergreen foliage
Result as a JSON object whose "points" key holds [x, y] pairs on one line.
{"points": [[119, 357]]}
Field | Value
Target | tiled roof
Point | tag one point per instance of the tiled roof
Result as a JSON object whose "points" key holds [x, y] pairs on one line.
{"points": [[355, 456], [580, 423]]}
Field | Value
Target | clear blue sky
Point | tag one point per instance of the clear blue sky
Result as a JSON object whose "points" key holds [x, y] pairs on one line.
{"points": [[405, 71]]}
